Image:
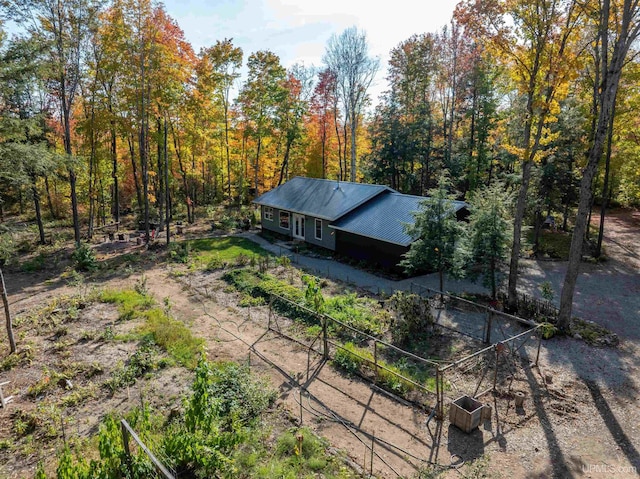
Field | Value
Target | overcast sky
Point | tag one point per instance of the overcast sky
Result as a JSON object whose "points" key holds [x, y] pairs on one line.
{"points": [[298, 31]]}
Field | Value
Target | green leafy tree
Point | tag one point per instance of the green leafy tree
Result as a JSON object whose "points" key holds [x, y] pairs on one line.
{"points": [[437, 232], [259, 99], [62, 28], [488, 237], [24, 153], [217, 71]]}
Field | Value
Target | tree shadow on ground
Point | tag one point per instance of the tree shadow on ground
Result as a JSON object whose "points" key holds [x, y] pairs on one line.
{"points": [[610, 420], [561, 469]]}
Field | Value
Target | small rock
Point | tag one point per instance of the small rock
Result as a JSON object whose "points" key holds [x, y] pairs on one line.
{"points": [[577, 336]]}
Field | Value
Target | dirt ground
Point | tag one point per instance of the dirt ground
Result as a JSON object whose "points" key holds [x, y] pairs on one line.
{"points": [[581, 415]]}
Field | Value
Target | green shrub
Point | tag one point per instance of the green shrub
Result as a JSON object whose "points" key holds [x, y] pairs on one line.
{"points": [[284, 261], [363, 314], [215, 264], [84, 258], [248, 300], [144, 360], [413, 317], [37, 263], [179, 252], [345, 358], [548, 330], [240, 394]]}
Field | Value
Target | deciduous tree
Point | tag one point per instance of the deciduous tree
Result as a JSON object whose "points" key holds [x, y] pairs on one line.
{"points": [[347, 57], [622, 22]]}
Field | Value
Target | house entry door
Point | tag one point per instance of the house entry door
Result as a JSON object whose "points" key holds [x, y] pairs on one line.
{"points": [[298, 226]]}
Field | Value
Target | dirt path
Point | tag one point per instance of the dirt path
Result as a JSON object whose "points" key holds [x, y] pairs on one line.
{"points": [[347, 411]]}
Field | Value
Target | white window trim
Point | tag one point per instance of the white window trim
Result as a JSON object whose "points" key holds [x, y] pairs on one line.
{"points": [[315, 233], [268, 213], [288, 227]]}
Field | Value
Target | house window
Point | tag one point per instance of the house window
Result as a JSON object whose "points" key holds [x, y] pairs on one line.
{"points": [[268, 213], [284, 220], [318, 229]]}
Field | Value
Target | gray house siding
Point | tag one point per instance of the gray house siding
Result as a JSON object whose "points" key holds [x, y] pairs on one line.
{"points": [[328, 235], [274, 224]]}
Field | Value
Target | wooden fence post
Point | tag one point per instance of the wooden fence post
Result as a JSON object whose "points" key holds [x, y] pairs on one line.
{"points": [[125, 445], [439, 405], [375, 358], [539, 344], [487, 337], [325, 339]]}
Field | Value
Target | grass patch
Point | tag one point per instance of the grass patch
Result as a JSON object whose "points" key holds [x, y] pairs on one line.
{"points": [[130, 303], [224, 250], [173, 336], [170, 334], [554, 244]]}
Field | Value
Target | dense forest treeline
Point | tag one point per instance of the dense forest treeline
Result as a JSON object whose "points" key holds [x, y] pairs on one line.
{"points": [[105, 108]]}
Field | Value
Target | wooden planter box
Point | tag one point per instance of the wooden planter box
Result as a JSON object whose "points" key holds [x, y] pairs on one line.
{"points": [[466, 413]]}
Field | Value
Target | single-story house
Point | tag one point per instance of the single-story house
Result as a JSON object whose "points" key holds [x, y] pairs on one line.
{"points": [[360, 220]]}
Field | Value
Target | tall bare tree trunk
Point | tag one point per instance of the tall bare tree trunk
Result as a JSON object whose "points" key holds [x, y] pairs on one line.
{"points": [[36, 204], [7, 313], [114, 174], [160, 163], [167, 197], [524, 187], [54, 215], [354, 126], [183, 172], [628, 33], [134, 171], [605, 187]]}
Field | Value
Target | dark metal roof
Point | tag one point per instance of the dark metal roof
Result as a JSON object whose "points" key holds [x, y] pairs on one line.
{"points": [[326, 199], [384, 217]]}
